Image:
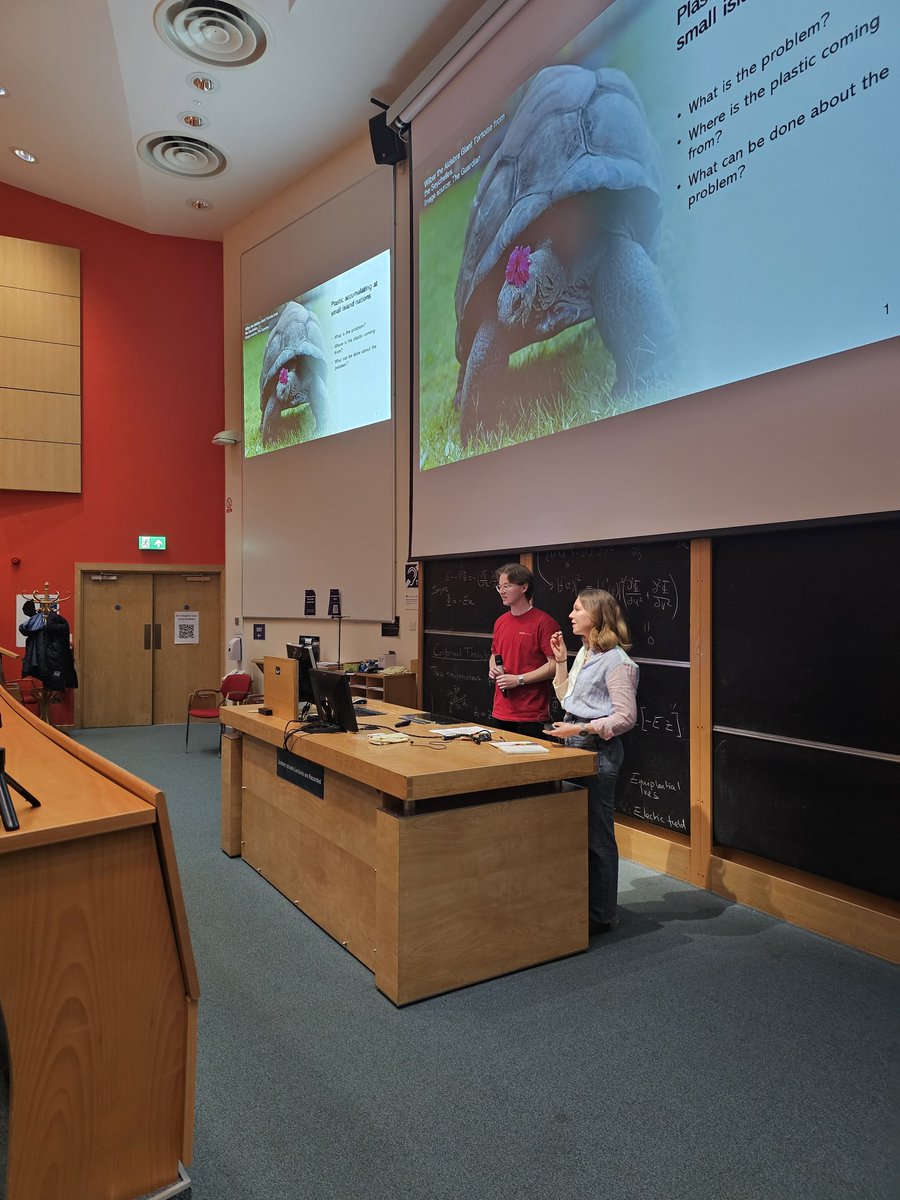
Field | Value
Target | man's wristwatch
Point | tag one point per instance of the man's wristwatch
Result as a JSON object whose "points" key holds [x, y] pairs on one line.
{"points": [[521, 681]]}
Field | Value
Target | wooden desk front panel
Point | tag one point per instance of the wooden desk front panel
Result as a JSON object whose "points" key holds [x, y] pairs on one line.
{"points": [[318, 853], [97, 1023], [468, 894]]}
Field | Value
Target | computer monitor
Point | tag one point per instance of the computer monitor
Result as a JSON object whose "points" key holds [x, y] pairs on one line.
{"points": [[306, 662], [334, 700]]}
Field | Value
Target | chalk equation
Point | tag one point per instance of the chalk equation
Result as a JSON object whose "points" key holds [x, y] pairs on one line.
{"points": [[443, 595], [668, 723]]}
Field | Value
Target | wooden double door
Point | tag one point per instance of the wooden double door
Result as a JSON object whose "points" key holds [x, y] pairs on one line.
{"points": [[137, 663]]}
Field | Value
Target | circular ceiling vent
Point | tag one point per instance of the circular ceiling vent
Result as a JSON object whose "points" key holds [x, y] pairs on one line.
{"points": [[212, 32], [188, 157]]}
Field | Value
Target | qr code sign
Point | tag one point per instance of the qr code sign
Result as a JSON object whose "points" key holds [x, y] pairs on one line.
{"points": [[187, 628]]}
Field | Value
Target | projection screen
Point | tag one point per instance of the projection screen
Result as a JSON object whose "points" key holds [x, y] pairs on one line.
{"points": [[318, 486], [656, 274]]}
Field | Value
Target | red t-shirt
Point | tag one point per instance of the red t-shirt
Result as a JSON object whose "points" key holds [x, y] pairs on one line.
{"points": [[524, 644]]}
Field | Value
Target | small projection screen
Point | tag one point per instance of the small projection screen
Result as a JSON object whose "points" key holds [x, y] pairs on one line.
{"points": [[656, 273], [318, 474]]}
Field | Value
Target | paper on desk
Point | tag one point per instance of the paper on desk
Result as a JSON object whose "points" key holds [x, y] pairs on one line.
{"points": [[521, 747], [459, 730]]}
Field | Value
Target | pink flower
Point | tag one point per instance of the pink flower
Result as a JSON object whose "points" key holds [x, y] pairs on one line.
{"points": [[518, 269], [283, 375]]}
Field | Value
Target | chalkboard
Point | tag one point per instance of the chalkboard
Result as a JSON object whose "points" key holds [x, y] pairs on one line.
{"points": [[460, 594], [806, 634], [806, 649], [835, 815], [654, 783], [461, 603], [651, 580], [456, 676]]}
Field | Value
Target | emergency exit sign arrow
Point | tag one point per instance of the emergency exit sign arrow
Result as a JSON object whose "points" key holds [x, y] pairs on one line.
{"points": [[151, 541]]}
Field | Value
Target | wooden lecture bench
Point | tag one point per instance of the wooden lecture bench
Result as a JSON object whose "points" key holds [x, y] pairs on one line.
{"points": [[436, 868]]}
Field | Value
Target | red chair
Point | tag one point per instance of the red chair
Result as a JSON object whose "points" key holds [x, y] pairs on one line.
{"points": [[204, 703]]}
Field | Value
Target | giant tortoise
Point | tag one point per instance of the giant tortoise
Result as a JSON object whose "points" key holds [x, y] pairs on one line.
{"points": [[293, 373], [564, 227]]}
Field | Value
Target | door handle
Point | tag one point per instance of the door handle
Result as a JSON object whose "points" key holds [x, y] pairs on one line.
{"points": [[146, 637], [157, 637]]}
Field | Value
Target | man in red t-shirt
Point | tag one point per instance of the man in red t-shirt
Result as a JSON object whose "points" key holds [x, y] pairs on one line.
{"points": [[521, 662]]}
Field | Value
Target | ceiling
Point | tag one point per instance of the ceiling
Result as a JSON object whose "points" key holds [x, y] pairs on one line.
{"points": [[87, 80]]}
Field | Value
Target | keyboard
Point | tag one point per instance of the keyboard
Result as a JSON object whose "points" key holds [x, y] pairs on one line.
{"points": [[366, 712], [430, 719], [320, 727]]}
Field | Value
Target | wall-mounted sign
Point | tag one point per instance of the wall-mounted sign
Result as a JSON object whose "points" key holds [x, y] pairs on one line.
{"points": [[151, 541], [309, 603], [187, 628]]}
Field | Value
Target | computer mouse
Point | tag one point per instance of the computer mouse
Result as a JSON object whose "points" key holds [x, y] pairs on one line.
{"points": [[400, 724]]}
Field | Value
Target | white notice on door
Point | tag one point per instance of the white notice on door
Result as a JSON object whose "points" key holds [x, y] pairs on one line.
{"points": [[187, 628]]}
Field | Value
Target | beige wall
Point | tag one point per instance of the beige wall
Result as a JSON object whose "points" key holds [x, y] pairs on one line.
{"points": [[358, 639]]}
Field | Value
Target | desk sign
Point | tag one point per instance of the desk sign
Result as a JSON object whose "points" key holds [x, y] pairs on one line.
{"points": [[300, 771], [151, 541]]}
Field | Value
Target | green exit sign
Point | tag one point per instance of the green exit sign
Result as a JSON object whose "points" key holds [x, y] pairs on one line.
{"points": [[151, 541]]}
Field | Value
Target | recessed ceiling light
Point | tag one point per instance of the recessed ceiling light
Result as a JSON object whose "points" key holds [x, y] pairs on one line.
{"points": [[199, 205], [203, 83], [3, 91], [25, 155]]}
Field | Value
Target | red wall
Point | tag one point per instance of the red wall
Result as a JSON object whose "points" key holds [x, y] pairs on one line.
{"points": [[152, 397]]}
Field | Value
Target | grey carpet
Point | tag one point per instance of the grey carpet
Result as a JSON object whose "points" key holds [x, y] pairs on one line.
{"points": [[703, 1051]]}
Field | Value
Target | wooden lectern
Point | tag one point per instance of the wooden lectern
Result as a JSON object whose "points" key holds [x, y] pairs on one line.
{"points": [[98, 986]]}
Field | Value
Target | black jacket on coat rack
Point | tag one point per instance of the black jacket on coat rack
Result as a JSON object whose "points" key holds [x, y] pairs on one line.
{"points": [[48, 654]]}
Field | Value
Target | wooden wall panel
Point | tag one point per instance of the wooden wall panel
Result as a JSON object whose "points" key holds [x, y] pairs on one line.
{"points": [[47, 416], [40, 366], [22, 312], [40, 360], [39, 466], [40, 267]]}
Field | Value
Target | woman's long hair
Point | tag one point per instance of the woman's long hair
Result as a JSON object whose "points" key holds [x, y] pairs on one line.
{"points": [[610, 628]]}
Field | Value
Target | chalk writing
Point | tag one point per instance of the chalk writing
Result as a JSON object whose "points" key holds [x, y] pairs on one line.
{"points": [[665, 722]]}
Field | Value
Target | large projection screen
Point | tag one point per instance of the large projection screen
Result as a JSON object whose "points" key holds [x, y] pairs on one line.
{"points": [[319, 515], [657, 268]]}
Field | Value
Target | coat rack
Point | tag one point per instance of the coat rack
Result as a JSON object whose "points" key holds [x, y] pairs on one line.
{"points": [[47, 601], [46, 604]]}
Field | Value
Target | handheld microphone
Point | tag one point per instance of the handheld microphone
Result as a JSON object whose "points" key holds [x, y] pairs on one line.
{"points": [[499, 662]]}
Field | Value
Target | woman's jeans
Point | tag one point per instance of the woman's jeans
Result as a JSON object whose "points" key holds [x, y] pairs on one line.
{"points": [[603, 853]]}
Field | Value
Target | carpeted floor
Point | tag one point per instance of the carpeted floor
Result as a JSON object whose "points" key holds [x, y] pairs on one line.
{"points": [[704, 1051]]}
